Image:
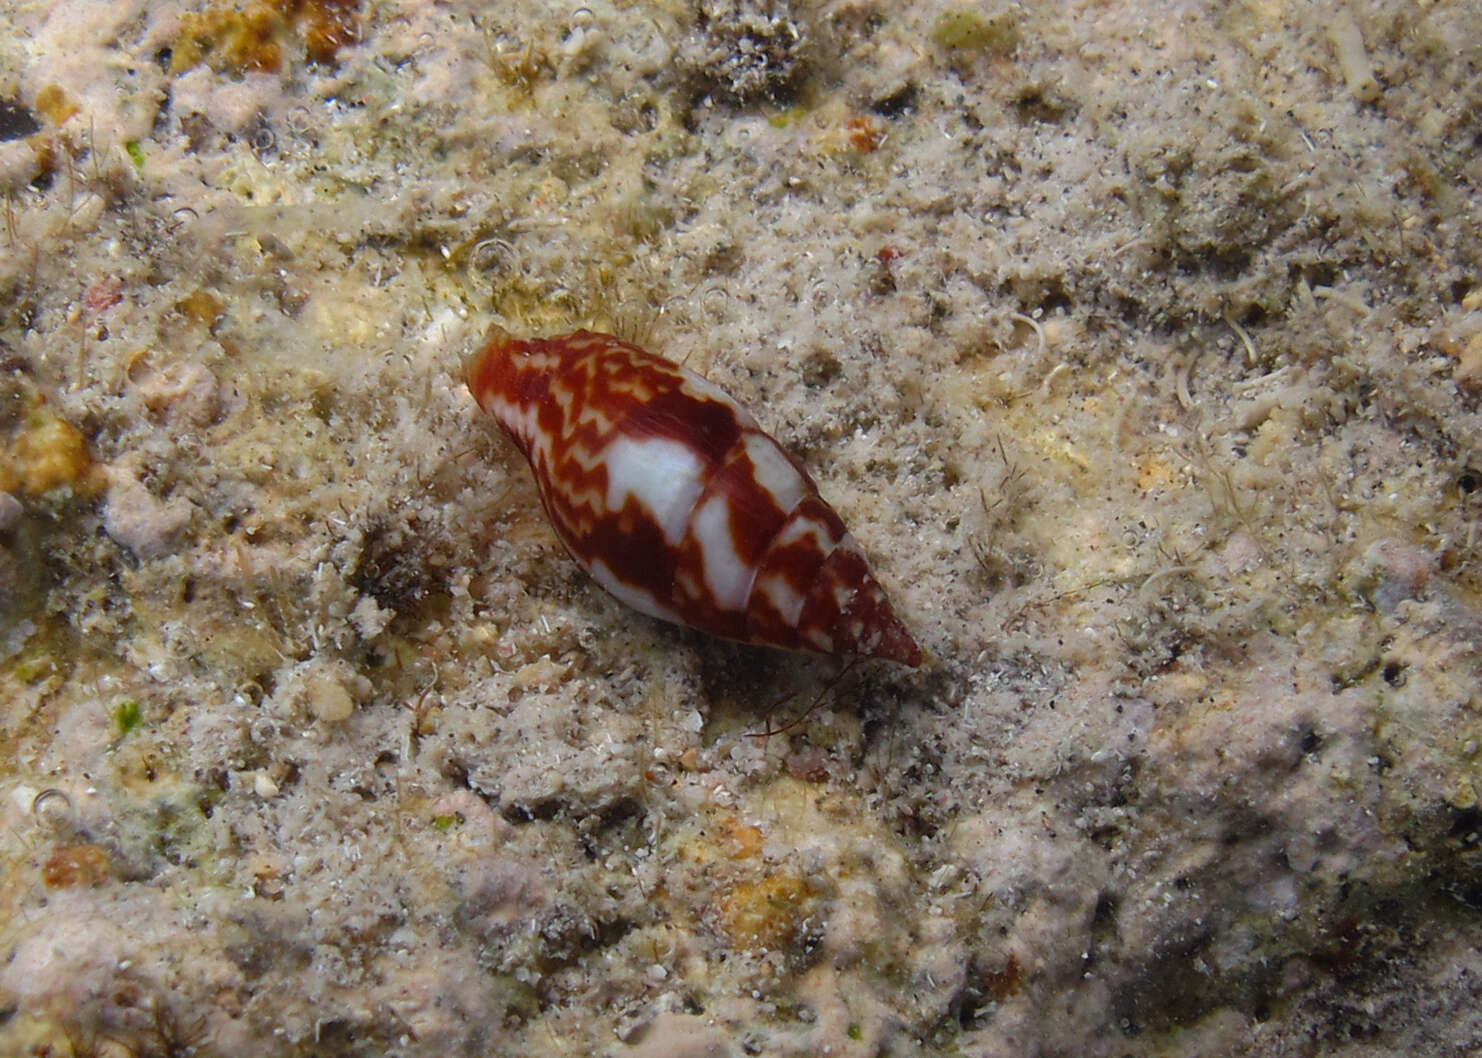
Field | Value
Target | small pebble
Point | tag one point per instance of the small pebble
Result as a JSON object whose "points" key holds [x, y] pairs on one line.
{"points": [[328, 700], [264, 786], [10, 511]]}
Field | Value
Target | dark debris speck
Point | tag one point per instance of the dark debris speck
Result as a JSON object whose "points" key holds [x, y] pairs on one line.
{"points": [[16, 121]]}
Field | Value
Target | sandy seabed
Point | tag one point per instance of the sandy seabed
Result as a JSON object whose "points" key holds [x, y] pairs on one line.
{"points": [[1139, 345]]}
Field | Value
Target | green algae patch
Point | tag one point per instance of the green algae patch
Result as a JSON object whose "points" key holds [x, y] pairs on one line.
{"points": [[971, 29], [127, 716]]}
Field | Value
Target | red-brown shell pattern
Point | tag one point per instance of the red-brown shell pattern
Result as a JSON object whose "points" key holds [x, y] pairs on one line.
{"points": [[669, 494]]}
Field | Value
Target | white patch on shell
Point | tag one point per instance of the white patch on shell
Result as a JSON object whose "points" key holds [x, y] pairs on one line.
{"points": [[591, 414], [818, 639], [641, 600], [779, 592], [726, 575], [794, 529], [774, 471], [664, 476], [693, 385], [518, 419]]}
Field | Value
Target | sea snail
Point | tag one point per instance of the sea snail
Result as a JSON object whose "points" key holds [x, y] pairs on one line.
{"points": [[669, 494]]}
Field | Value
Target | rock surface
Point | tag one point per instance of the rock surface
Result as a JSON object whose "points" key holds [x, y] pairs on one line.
{"points": [[1140, 349]]}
